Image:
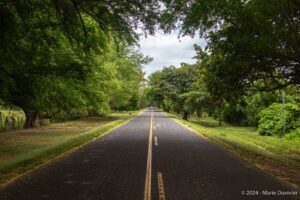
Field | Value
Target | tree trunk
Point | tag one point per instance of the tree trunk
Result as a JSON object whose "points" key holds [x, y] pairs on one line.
{"points": [[199, 113], [185, 115], [1, 121], [31, 119]]}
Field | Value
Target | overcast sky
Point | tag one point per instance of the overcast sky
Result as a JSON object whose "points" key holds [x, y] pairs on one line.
{"points": [[168, 50]]}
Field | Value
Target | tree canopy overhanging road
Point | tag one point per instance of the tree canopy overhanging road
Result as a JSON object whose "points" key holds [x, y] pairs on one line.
{"points": [[150, 157], [59, 58], [79, 62]]}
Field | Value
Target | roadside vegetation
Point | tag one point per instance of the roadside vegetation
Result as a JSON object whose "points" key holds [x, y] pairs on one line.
{"points": [[65, 67], [279, 156], [22, 150], [246, 80], [248, 73], [11, 119], [260, 126], [62, 60]]}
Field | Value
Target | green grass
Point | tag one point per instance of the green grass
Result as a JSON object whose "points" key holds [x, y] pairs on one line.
{"points": [[23, 150], [279, 156]]}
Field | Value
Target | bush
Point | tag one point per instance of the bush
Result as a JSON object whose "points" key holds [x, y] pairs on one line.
{"points": [[234, 114], [293, 135], [271, 119], [11, 119], [44, 122]]}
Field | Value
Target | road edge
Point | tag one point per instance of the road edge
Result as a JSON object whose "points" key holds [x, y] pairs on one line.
{"points": [[62, 155], [237, 154]]}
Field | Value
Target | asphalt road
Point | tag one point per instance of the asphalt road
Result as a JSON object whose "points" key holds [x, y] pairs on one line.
{"points": [[150, 157]]}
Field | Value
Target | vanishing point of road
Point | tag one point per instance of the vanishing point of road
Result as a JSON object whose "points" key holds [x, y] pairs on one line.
{"points": [[150, 157]]}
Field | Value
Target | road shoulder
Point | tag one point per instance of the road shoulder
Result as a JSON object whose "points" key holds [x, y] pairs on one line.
{"points": [[285, 172], [56, 152]]}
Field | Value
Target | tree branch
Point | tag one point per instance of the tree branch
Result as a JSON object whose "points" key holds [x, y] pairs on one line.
{"points": [[81, 19]]}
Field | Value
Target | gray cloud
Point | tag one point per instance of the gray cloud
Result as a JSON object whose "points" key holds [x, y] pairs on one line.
{"points": [[168, 50]]}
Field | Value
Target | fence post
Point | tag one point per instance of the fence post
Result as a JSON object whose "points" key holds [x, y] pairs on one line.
{"points": [[283, 112]]}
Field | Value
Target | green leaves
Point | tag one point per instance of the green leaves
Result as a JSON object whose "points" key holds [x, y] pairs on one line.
{"points": [[169, 87], [250, 43], [271, 119], [72, 56]]}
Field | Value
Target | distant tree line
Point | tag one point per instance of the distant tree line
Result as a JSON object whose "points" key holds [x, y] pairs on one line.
{"points": [[183, 90]]}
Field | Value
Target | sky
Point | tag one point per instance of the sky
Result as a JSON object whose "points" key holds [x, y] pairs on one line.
{"points": [[168, 50]]}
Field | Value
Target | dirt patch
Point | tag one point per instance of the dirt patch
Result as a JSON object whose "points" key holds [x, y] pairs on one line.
{"points": [[65, 126], [286, 173]]}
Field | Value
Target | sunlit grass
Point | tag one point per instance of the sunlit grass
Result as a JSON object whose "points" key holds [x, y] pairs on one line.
{"points": [[248, 137]]}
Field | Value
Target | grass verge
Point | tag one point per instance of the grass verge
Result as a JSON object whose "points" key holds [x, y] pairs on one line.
{"points": [[278, 156], [24, 150]]}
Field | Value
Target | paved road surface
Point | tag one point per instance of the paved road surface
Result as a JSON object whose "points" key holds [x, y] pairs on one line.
{"points": [[151, 157]]}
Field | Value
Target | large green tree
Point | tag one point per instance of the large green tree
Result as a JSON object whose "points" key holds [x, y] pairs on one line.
{"points": [[52, 53], [251, 44], [170, 84]]}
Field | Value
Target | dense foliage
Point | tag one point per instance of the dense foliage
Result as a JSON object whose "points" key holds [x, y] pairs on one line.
{"points": [[59, 58], [169, 88], [183, 90], [271, 120], [251, 58], [11, 119], [251, 44]]}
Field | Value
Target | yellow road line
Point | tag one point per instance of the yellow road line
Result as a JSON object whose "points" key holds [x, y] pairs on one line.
{"points": [[155, 141], [160, 183], [147, 191]]}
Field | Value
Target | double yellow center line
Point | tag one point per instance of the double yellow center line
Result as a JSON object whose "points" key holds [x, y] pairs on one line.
{"points": [[147, 191]]}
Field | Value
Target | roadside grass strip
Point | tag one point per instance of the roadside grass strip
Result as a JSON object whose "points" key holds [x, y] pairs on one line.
{"points": [[43, 145], [278, 156]]}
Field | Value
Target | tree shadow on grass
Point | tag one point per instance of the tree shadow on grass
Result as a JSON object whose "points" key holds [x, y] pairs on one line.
{"points": [[204, 124]]}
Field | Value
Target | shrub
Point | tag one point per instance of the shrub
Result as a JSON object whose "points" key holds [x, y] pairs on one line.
{"points": [[11, 119], [235, 114], [271, 119], [44, 122], [293, 134]]}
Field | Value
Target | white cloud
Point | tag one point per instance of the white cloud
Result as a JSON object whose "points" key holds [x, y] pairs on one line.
{"points": [[168, 50]]}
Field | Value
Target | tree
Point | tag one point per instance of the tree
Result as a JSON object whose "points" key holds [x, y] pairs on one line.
{"points": [[154, 94], [196, 101], [251, 44], [129, 77], [169, 84], [52, 53]]}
